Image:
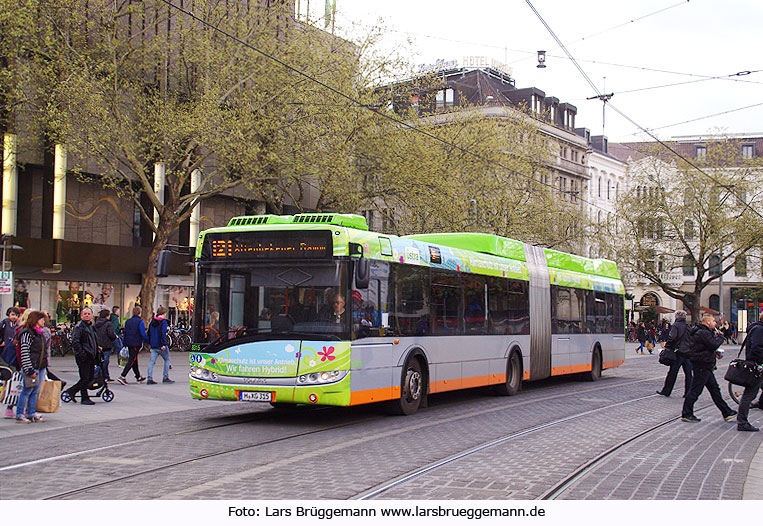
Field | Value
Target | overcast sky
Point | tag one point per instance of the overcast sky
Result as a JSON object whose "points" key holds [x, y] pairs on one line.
{"points": [[622, 41]]}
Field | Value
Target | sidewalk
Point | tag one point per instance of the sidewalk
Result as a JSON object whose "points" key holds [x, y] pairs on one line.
{"points": [[131, 400], [753, 482]]}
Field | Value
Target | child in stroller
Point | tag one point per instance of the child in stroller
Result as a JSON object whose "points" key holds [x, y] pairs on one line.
{"points": [[98, 384]]}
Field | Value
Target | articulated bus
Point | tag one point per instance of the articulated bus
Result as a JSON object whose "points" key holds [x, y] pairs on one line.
{"points": [[316, 309]]}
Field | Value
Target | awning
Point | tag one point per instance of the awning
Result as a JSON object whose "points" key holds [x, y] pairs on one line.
{"points": [[663, 310], [707, 310]]}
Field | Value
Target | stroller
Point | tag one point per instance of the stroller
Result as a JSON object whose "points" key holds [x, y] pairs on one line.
{"points": [[98, 384]]}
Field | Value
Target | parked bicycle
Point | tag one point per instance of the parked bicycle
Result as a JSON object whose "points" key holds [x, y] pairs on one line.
{"points": [[178, 338], [61, 340]]}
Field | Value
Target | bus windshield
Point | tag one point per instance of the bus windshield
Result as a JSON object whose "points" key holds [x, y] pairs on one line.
{"points": [[262, 300]]}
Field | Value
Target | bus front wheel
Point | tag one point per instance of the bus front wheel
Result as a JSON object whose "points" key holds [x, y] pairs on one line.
{"points": [[514, 372], [411, 389]]}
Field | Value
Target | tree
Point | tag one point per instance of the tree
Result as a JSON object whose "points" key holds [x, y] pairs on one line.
{"points": [[693, 219], [129, 85], [483, 175]]}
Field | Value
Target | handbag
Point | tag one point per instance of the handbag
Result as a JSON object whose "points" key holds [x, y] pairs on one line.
{"points": [[668, 356], [743, 372], [31, 381], [49, 399]]}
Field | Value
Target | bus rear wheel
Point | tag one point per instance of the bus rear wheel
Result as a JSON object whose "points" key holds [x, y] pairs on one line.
{"points": [[595, 373], [513, 383], [411, 389]]}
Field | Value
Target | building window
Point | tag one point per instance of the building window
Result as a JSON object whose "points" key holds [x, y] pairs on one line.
{"points": [[748, 151], [609, 189], [444, 99], [688, 266], [600, 187], [715, 302], [715, 265], [700, 152], [689, 229], [740, 266]]}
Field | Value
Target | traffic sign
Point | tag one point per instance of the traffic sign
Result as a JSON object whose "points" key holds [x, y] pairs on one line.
{"points": [[6, 282]]}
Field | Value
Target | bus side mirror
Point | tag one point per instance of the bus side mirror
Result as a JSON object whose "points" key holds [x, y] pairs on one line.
{"points": [[362, 273], [163, 264]]}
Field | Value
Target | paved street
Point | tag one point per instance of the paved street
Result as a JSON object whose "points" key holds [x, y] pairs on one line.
{"points": [[156, 442]]}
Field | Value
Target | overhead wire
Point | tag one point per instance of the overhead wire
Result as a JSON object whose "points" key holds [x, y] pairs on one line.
{"points": [[626, 117], [703, 117], [371, 108]]}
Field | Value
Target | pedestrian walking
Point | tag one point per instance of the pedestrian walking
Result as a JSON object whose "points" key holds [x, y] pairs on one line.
{"points": [[157, 336], [753, 353], [116, 322], [134, 338], [105, 338], [85, 347], [33, 361], [47, 336], [641, 337], [677, 340], [665, 332], [704, 342]]}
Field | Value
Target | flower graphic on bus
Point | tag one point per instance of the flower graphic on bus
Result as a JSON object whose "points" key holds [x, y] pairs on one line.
{"points": [[326, 354]]}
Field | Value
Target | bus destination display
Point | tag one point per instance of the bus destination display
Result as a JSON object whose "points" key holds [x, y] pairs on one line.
{"points": [[269, 245]]}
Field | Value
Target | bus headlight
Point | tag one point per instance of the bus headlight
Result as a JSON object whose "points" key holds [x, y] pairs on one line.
{"points": [[203, 374], [325, 377]]}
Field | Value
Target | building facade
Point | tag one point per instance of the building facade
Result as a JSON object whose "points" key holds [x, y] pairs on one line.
{"points": [[736, 295]]}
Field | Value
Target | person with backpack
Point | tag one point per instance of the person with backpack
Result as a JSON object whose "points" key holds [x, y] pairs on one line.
{"points": [[157, 337], [134, 337], [677, 340], [105, 338], [753, 353], [704, 342], [33, 360], [85, 348]]}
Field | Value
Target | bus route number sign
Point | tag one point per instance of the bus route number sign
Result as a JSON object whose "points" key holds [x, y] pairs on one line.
{"points": [[270, 245]]}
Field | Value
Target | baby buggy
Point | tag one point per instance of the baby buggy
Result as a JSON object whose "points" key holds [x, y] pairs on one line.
{"points": [[98, 383]]}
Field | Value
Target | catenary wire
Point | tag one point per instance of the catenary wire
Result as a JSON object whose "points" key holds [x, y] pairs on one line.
{"points": [[375, 111], [703, 117], [605, 100]]}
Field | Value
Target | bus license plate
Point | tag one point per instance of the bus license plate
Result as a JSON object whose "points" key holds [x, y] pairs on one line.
{"points": [[256, 396]]}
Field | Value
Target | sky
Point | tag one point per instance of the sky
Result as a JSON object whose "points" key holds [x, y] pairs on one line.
{"points": [[630, 49]]}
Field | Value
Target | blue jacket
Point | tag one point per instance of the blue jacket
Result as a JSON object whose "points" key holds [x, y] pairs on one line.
{"points": [[157, 333], [135, 332]]}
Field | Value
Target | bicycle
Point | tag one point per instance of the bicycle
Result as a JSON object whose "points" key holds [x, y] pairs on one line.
{"points": [[60, 341], [178, 338]]}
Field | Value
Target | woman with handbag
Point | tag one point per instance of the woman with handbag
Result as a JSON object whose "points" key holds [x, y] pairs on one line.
{"points": [[34, 361]]}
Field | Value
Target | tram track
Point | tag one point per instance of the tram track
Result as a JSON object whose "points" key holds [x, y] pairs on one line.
{"points": [[467, 412], [557, 489]]}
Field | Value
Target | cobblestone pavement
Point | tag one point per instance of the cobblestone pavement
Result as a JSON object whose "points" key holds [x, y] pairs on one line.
{"points": [[255, 452]]}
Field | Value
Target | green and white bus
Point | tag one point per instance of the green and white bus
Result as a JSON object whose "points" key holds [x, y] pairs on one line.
{"points": [[316, 309]]}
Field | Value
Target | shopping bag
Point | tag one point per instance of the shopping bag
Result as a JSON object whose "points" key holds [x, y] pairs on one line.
{"points": [[649, 346], [124, 355], [13, 390], [49, 399]]}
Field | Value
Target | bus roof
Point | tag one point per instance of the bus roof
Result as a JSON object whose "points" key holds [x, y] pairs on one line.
{"points": [[491, 244]]}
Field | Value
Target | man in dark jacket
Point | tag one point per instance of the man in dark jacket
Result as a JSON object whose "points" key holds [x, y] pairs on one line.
{"points": [[105, 337], [85, 347], [705, 340], [157, 336], [134, 337], [677, 339], [753, 353]]}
